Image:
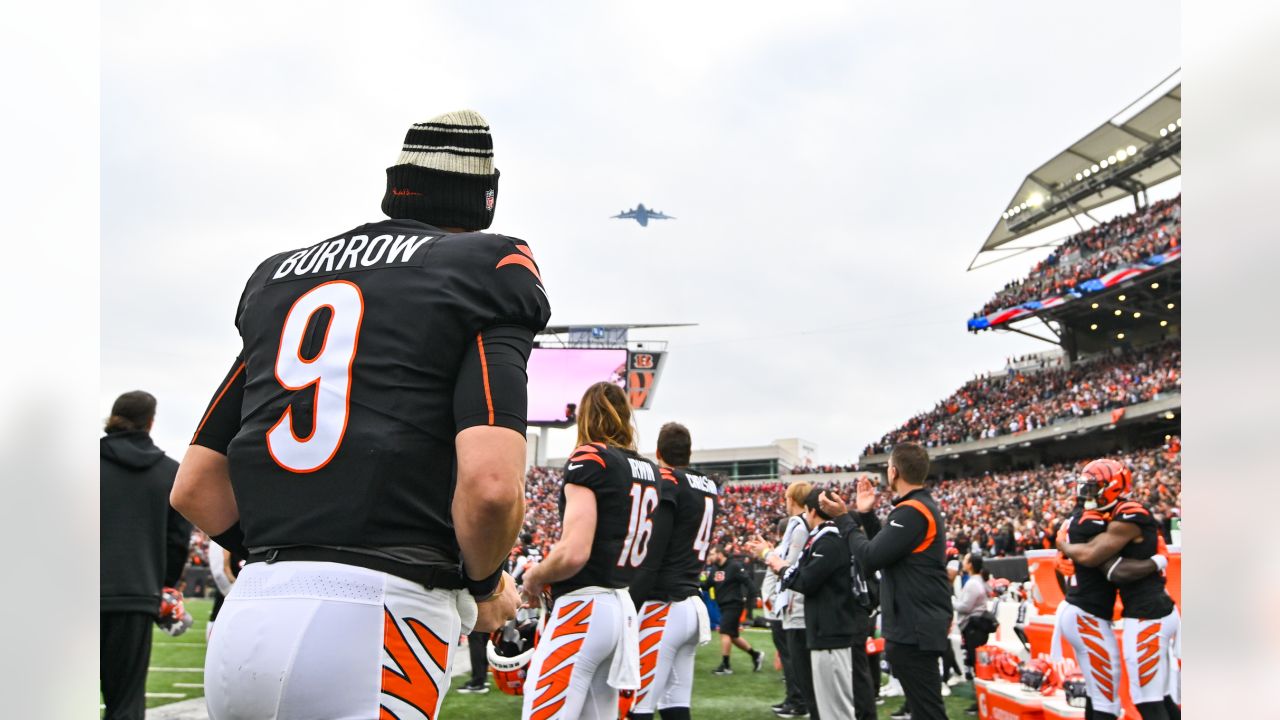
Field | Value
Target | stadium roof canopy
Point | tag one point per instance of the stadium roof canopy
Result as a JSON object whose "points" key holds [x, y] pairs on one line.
{"points": [[1138, 148]]}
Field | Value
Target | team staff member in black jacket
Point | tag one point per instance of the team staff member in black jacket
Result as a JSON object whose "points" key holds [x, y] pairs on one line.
{"points": [[910, 553], [728, 582], [144, 547], [822, 576]]}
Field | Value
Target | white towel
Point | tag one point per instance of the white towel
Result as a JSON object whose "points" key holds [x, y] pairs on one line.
{"points": [[624, 671], [704, 620]]}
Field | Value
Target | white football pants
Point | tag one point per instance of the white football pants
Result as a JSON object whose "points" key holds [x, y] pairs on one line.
{"points": [[308, 640]]}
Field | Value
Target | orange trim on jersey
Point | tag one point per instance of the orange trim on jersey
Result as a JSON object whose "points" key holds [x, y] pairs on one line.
{"points": [[412, 683], [576, 624], [932, 530], [1092, 515], [484, 373], [217, 400], [667, 474], [587, 452], [526, 250], [521, 260]]}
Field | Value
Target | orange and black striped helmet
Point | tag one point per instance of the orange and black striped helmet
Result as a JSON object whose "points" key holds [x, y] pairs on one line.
{"points": [[1105, 481]]}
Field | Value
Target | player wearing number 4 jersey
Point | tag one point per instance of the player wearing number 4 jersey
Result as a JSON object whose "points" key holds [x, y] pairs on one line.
{"points": [[367, 448], [673, 618], [589, 649]]}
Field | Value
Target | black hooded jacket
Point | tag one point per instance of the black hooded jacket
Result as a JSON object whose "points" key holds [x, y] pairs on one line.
{"points": [[144, 540]]}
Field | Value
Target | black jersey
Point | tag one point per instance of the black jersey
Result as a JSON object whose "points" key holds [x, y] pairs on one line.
{"points": [[1144, 598], [729, 583], [363, 357], [696, 504], [627, 496], [1088, 588]]}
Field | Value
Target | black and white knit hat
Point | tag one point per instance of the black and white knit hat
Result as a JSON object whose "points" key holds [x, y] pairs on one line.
{"points": [[445, 176]]}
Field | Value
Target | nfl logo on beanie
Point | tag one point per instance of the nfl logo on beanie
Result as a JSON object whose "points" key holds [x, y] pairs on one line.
{"points": [[445, 176]]}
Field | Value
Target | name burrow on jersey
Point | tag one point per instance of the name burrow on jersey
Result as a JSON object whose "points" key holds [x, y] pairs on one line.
{"points": [[358, 253]]}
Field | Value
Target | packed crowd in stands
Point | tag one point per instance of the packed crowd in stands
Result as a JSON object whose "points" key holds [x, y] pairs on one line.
{"points": [[823, 469], [999, 514], [1017, 401], [1126, 240]]}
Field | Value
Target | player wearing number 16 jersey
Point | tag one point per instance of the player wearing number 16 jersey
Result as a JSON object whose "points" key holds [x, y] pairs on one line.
{"points": [[589, 648], [673, 618], [367, 448]]}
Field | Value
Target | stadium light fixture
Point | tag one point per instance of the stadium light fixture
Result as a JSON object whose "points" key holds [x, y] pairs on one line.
{"points": [[1155, 286], [1172, 127], [1121, 155], [1137, 315], [1170, 306], [1087, 172], [1119, 336], [1168, 415], [1079, 176], [1094, 326], [1117, 313], [1121, 298], [1164, 323], [1105, 163], [1095, 306], [1179, 122], [1094, 167], [1164, 132], [1035, 199], [1131, 150], [1111, 159]]}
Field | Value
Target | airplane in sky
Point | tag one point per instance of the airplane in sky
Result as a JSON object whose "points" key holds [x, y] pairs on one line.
{"points": [[642, 215]]}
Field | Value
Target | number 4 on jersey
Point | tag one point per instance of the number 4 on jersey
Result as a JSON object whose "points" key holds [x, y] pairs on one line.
{"points": [[329, 371]]}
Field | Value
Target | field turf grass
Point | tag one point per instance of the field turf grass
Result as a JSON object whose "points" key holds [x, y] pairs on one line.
{"points": [[742, 696]]}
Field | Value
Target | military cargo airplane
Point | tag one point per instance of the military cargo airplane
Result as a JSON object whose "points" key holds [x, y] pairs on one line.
{"points": [[642, 215]]}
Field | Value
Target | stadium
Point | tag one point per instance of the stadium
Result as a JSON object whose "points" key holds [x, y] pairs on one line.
{"points": [[1105, 299]]}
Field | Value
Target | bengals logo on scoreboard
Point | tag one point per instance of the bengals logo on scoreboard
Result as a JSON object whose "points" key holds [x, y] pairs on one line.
{"points": [[642, 361]]}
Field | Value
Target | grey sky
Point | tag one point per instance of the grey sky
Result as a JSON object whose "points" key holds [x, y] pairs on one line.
{"points": [[833, 171]]}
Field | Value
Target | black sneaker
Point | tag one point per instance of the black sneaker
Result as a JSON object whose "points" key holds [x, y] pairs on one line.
{"points": [[778, 706], [470, 689], [971, 710], [757, 660], [722, 670], [790, 711], [901, 714]]}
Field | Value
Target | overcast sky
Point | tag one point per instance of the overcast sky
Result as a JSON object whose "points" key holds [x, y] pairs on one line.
{"points": [[833, 169]]}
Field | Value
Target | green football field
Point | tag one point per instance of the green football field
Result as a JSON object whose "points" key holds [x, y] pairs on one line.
{"points": [[176, 674]]}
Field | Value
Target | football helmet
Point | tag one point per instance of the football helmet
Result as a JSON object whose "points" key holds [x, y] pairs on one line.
{"points": [[1033, 673], [1077, 692], [1006, 667], [173, 618], [511, 648], [1103, 482]]}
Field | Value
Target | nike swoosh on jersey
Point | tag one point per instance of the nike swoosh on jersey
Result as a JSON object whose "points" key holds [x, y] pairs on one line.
{"points": [[574, 467], [895, 523], [1130, 515], [1099, 522]]}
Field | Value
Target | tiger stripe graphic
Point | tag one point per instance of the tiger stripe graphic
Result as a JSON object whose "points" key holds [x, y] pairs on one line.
{"points": [[410, 681], [556, 669], [1099, 656], [653, 620]]}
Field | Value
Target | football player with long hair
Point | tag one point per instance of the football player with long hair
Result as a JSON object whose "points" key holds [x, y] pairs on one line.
{"points": [[1114, 543], [589, 649]]}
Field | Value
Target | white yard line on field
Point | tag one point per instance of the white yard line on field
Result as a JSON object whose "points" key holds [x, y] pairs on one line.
{"points": [[189, 685]]}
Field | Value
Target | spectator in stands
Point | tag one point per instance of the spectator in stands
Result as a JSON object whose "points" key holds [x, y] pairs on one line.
{"points": [[143, 550]]}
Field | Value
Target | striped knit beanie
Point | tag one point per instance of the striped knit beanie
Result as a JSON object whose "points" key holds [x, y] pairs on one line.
{"points": [[445, 176]]}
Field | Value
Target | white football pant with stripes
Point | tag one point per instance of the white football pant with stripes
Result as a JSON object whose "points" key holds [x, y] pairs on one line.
{"points": [[666, 664], [1097, 653], [1152, 651], [306, 640], [569, 673]]}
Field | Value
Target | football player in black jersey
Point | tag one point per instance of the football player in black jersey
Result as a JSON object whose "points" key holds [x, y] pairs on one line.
{"points": [[367, 447], [590, 647], [1152, 626], [673, 617]]}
